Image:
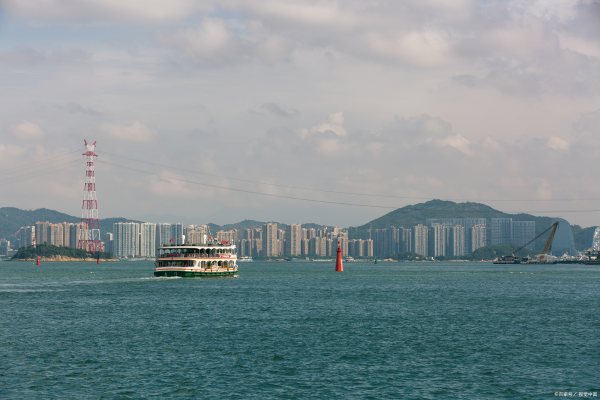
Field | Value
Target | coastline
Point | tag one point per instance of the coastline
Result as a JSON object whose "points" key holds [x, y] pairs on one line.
{"points": [[64, 259]]}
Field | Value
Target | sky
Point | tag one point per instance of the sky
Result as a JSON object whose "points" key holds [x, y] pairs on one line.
{"points": [[334, 112]]}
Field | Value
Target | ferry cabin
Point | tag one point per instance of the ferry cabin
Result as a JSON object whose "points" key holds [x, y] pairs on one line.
{"points": [[205, 257]]}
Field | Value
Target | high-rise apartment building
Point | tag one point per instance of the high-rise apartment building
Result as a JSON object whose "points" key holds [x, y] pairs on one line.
{"points": [[229, 236], [4, 247], [293, 240], [458, 241], [196, 234], [109, 243], [522, 233], [270, 242], [178, 234], [405, 245], [304, 247], [244, 248], [164, 235], [342, 242], [478, 237], [368, 249], [440, 234], [42, 233], [75, 234], [126, 239], [356, 248], [501, 231], [147, 240], [27, 236], [421, 240], [56, 235], [321, 246]]}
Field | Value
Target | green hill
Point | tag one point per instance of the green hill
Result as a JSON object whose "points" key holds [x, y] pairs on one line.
{"points": [[418, 213], [245, 224], [12, 218], [583, 236]]}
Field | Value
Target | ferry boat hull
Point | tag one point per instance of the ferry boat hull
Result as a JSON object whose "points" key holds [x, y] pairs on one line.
{"points": [[193, 274]]}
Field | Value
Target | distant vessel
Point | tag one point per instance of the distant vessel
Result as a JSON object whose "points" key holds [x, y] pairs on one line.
{"points": [[507, 260], [213, 259], [540, 258]]}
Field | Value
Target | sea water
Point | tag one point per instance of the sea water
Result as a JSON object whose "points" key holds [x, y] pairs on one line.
{"points": [[300, 330]]}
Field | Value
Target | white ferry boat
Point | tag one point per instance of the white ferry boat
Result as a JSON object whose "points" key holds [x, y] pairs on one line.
{"points": [[191, 260]]}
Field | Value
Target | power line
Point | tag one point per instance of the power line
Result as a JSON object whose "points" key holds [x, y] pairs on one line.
{"points": [[48, 160], [243, 190], [255, 192], [313, 189], [49, 168]]}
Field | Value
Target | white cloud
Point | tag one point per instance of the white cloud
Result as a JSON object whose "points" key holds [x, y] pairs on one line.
{"points": [[27, 130], [81, 11], [9, 154], [209, 39], [560, 11], [317, 14], [326, 136], [558, 143], [334, 126], [457, 142], [135, 131], [427, 48], [170, 72], [491, 145], [580, 45]]}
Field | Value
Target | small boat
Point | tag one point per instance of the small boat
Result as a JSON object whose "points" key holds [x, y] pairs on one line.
{"points": [[203, 260], [507, 260]]}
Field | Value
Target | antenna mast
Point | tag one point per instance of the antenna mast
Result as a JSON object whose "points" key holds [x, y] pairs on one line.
{"points": [[89, 236]]}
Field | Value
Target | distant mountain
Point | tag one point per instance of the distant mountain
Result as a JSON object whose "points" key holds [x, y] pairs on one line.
{"points": [[106, 224], [12, 218], [248, 223], [418, 213], [583, 236], [245, 224]]}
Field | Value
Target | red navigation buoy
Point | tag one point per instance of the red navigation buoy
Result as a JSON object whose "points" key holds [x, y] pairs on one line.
{"points": [[37, 261], [339, 266]]}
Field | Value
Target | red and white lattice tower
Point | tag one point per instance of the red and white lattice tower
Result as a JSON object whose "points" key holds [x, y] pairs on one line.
{"points": [[89, 237]]}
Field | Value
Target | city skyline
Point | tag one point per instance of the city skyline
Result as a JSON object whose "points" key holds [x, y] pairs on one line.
{"points": [[321, 111], [437, 237]]}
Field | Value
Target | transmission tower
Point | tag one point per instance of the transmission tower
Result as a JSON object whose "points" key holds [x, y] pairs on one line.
{"points": [[89, 236]]}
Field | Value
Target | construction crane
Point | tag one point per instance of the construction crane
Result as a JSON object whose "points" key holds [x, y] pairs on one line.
{"points": [[541, 258]]}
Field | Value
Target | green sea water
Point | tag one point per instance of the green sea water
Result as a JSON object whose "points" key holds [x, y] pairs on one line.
{"points": [[300, 330]]}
